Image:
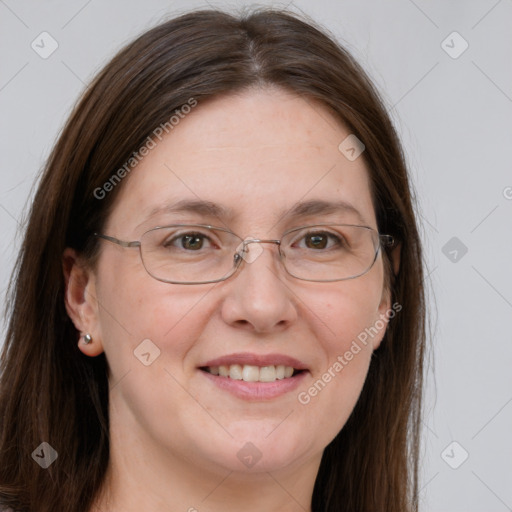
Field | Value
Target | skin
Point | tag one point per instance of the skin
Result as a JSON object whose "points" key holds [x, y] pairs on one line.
{"points": [[174, 435]]}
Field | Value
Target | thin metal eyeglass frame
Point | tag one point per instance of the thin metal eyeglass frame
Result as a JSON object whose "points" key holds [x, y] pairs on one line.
{"points": [[387, 240]]}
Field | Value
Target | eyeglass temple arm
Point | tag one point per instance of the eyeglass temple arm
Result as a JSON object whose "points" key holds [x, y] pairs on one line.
{"points": [[117, 241], [388, 240]]}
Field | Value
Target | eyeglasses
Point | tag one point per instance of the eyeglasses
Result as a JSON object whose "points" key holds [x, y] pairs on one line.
{"points": [[201, 254]]}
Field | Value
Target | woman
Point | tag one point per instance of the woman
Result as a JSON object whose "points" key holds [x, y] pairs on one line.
{"points": [[218, 303]]}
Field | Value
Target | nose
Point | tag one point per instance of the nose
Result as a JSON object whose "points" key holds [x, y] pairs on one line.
{"points": [[259, 297]]}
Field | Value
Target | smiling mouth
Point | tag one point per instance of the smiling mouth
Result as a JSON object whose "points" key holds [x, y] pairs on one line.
{"points": [[251, 373]]}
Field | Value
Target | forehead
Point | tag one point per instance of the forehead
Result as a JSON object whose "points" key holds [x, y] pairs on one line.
{"points": [[253, 158]]}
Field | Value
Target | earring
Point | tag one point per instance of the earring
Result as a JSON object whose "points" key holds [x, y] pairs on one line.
{"points": [[87, 338]]}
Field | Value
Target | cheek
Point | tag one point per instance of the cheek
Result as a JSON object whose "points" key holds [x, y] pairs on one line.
{"points": [[346, 330], [148, 328], [347, 311], [347, 324], [135, 308]]}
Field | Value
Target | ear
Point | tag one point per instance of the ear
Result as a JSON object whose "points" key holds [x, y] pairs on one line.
{"points": [[385, 309], [80, 301]]}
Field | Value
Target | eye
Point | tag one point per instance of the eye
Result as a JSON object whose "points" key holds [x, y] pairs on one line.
{"points": [[188, 241], [321, 240]]}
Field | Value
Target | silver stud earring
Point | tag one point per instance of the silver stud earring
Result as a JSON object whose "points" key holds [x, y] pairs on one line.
{"points": [[87, 338]]}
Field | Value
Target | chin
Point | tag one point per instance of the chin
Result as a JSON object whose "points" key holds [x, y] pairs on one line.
{"points": [[257, 448]]}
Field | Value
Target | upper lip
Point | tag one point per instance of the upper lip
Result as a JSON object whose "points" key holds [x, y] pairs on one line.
{"points": [[256, 360]]}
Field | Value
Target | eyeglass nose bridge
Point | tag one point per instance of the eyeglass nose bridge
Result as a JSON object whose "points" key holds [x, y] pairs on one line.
{"points": [[249, 256]]}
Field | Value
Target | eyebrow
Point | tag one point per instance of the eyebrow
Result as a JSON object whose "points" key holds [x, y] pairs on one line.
{"points": [[300, 210], [322, 207]]}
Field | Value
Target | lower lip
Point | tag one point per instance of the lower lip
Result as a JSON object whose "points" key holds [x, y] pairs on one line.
{"points": [[256, 390]]}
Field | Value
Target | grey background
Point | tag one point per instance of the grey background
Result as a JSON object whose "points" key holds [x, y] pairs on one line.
{"points": [[454, 117]]}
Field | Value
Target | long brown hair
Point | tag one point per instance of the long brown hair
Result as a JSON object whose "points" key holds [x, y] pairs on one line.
{"points": [[49, 391]]}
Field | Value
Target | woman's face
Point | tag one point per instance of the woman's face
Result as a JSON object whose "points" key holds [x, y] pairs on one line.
{"points": [[257, 156]]}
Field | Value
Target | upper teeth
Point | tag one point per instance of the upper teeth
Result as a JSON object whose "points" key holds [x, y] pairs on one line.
{"points": [[250, 373]]}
